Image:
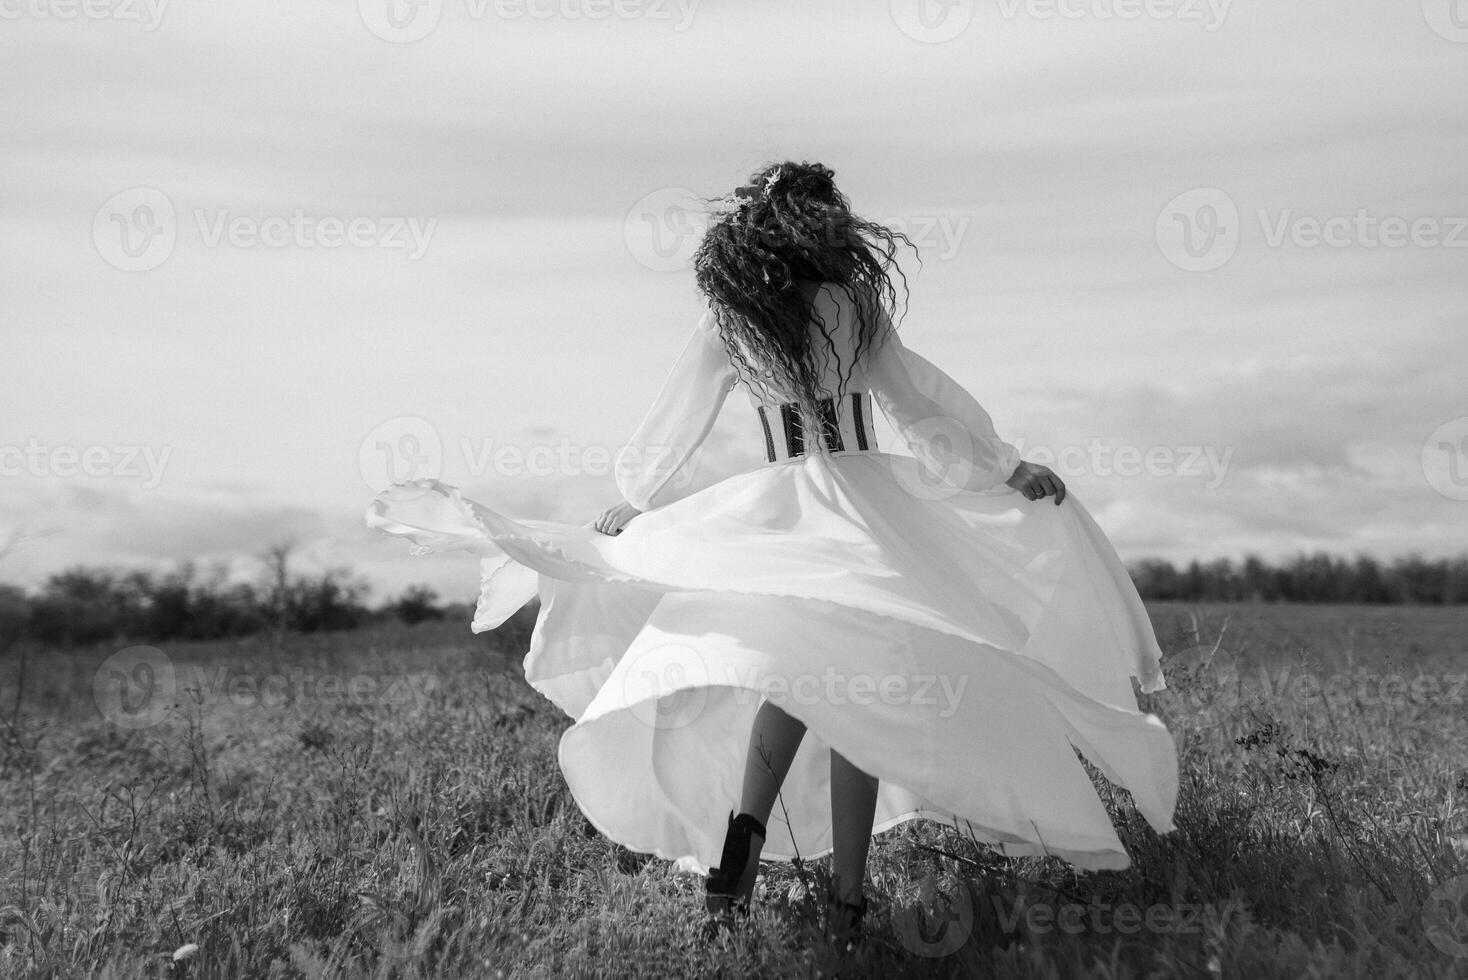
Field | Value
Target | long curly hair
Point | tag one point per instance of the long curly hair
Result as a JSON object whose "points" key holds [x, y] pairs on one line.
{"points": [[788, 225]]}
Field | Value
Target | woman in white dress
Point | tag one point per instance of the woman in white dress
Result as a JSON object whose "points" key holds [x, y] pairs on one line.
{"points": [[864, 637]]}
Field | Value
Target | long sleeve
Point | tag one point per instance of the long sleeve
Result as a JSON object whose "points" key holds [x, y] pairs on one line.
{"points": [[657, 460], [947, 429]]}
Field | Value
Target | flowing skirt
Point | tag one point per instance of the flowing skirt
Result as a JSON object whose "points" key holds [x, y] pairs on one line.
{"points": [[960, 647]]}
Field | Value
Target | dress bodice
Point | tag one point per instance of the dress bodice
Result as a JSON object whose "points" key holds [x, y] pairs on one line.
{"points": [[937, 418]]}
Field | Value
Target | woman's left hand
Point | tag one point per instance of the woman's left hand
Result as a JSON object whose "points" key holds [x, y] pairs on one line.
{"points": [[615, 517]]}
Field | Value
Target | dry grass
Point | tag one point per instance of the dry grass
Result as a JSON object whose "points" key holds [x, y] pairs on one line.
{"points": [[420, 829]]}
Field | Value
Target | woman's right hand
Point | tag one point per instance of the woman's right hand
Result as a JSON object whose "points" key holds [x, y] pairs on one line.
{"points": [[1036, 480], [612, 520]]}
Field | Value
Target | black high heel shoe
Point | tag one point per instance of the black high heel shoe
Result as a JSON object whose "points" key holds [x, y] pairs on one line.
{"points": [[736, 872]]}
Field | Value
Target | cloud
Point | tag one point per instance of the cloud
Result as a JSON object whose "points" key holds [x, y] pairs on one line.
{"points": [[1058, 143], [1308, 410]]}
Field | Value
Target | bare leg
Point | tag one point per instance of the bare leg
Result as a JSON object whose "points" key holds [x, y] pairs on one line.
{"points": [[853, 805], [772, 745], [773, 742]]}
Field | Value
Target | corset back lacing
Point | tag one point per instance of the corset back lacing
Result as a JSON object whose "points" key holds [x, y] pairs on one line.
{"points": [[845, 427]]}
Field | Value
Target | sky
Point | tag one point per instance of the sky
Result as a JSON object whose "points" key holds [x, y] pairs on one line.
{"points": [[1205, 259]]}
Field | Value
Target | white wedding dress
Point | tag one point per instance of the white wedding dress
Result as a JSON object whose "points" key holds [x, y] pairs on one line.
{"points": [[944, 633]]}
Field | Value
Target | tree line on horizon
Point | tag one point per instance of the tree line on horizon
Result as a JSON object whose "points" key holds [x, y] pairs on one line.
{"points": [[1319, 577], [87, 605]]}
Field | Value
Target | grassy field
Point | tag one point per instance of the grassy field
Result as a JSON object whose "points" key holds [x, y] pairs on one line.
{"points": [[388, 804]]}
